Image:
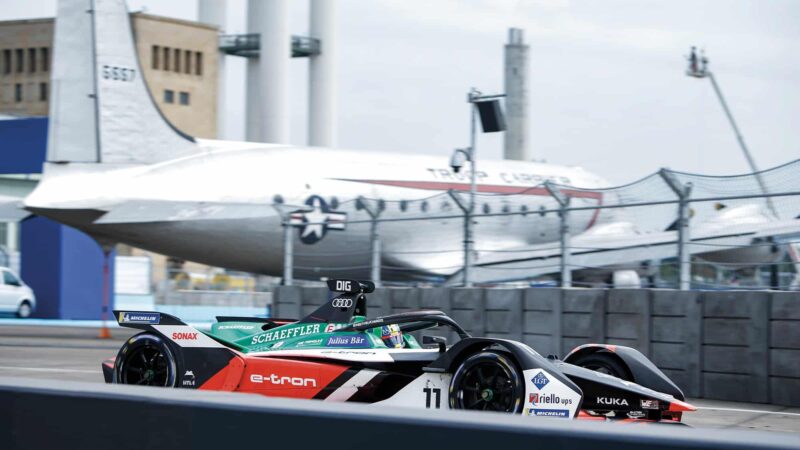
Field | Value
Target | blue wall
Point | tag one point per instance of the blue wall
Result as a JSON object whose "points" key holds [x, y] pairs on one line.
{"points": [[63, 265], [23, 145]]}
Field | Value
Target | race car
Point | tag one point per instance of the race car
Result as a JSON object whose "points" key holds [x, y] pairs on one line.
{"points": [[338, 354]]}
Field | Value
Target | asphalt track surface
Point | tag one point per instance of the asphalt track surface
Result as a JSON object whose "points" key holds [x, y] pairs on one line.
{"points": [[75, 354]]}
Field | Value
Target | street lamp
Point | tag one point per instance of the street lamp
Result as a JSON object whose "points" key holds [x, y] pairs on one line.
{"points": [[698, 68], [487, 107]]}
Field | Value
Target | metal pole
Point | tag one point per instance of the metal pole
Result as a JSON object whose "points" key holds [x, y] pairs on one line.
{"points": [[745, 150], [564, 234], [684, 256], [288, 252], [374, 240], [468, 238]]}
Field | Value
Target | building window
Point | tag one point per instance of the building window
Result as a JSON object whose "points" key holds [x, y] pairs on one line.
{"points": [[6, 61], [45, 58], [184, 98], [166, 58], [18, 92], [42, 92], [187, 62], [177, 60], [198, 63], [20, 60], [169, 96], [31, 60], [154, 54]]}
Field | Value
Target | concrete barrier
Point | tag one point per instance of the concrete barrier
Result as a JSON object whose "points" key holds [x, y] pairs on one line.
{"points": [[37, 414], [724, 345]]}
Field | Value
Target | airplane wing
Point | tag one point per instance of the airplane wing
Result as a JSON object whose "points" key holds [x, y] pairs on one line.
{"points": [[602, 250], [148, 211]]}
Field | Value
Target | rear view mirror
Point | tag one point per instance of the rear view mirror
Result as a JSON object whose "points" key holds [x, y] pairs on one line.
{"points": [[437, 340]]}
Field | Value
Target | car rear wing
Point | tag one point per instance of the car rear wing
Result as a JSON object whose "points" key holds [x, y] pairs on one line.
{"points": [[144, 319]]}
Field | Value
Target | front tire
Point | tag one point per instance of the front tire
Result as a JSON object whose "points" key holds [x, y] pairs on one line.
{"points": [[488, 381], [145, 360], [25, 310]]}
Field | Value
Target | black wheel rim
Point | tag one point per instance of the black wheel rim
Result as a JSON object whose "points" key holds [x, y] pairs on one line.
{"points": [[487, 386], [146, 366], [602, 368]]}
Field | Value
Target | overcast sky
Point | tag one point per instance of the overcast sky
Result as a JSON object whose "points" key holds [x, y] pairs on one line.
{"points": [[607, 85]]}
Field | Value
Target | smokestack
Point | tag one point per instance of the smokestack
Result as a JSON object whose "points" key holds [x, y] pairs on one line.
{"points": [[268, 75], [322, 93], [516, 81]]}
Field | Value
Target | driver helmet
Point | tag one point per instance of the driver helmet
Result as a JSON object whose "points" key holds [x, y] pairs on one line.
{"points": [[391, 336]]}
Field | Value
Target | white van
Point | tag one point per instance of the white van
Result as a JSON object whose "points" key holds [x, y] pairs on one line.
{"points": [[15, 295]]}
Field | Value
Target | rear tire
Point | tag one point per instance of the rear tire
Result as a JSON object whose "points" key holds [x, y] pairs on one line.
{"points": [[603, 362], [145, 360], [488, 381], [25, 309]]}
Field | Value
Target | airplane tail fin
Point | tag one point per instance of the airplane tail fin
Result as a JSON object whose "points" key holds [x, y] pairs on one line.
{"points": [[101, 110]]}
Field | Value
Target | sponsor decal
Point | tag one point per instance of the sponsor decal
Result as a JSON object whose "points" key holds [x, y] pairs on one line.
{"points": [[283, 381], [331, 327], [236, 327], [140, 317], [313, 342], [352, 341], [374, 323], [188, 379], [649, 404], [636, 414], [343, 285], [540, 380], [278, 344], [184, 336], [342, 302], [548, 412], [286, 333], [548, 399], [612, 401]]}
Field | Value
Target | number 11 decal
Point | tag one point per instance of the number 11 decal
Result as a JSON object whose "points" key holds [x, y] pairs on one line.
{"points": [[433, 392]]}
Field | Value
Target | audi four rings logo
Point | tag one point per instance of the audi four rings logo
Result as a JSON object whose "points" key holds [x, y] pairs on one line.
{"points": [[342, 302]]}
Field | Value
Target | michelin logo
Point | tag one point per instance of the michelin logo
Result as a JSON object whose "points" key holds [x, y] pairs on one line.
{"points": [[140, 317], [548, 412]]}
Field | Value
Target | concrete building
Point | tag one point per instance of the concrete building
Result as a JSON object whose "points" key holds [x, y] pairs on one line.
{"points": [[178, 58]]}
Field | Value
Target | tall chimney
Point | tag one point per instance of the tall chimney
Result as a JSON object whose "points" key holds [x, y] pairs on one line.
{"points": [[516, 83]]}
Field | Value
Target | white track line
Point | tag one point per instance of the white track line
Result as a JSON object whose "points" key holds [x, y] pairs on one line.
{"points": [[756, 411], [43, 369]]}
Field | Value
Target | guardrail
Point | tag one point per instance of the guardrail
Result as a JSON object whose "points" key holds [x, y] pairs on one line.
{"points": [[38, 414], [723, 345]]}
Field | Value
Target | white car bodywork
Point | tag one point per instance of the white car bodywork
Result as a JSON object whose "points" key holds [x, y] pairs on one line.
{"points": [[15, 296]]}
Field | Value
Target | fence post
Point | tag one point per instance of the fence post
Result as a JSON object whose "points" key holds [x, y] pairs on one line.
{"points": [[374, 237], [288, 246], [684, 255], [467, 209], [563, 203]]}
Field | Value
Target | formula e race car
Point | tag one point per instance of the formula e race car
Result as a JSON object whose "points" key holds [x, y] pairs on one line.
{"points": [[338, 354]]}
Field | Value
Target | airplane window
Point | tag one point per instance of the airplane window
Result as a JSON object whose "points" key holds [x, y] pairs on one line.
{"points": [[424, 206], [334, 203], [524, 210], [486, 208], [403, 205], [542, 211], [506, 209]]}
